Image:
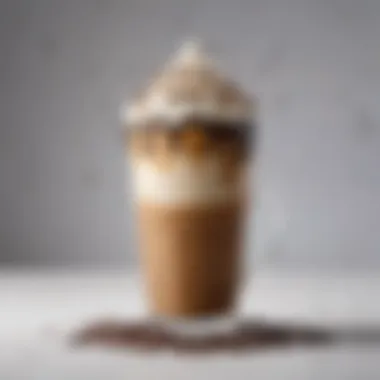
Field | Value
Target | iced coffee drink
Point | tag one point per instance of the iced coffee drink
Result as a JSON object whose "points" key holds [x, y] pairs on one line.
{"points": [[189, 140]]}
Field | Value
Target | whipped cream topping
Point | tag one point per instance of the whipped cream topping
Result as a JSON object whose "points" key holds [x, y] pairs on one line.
{"points": [[190, 85]]}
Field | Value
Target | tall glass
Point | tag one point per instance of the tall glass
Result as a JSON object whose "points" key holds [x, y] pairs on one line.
{"points": [[191, 186]]}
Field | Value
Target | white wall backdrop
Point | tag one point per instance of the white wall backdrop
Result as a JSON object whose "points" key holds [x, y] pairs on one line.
{"points": [[65, 66]]}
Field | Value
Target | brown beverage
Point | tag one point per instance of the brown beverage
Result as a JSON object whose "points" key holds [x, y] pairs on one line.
{"points": [[188, 140]]}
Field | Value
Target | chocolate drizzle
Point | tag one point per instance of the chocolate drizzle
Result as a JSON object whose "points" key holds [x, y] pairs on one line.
{"points": [[238, 137]]}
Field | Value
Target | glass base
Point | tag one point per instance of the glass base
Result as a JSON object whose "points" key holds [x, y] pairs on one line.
{"points": [[197, 327]]}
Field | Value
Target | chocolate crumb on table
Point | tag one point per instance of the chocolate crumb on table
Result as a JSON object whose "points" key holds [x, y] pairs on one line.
{"points": [[250, 335]]}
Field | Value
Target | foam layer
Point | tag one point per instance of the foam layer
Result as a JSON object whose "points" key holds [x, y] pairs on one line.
{"points": [[190, 85], [184, 183]]}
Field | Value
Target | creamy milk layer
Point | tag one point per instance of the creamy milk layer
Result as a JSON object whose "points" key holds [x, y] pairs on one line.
{"points": [[190, 86], [185, 182]]}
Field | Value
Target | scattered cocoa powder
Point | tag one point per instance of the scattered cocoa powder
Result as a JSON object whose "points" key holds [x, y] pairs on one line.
{"points": [[254, 335]]}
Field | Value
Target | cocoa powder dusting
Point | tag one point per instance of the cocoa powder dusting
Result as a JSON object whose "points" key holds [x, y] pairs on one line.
{"points": [[254, 335]]}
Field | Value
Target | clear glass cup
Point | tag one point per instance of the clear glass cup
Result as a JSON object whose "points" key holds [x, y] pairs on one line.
{"points": [[191, 192]]}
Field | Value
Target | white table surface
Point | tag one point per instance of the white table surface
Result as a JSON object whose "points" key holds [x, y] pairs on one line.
{"points": [[38, 308]]}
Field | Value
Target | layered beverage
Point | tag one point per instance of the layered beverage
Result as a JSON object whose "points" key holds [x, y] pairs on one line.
{"points": [[189, 141]]}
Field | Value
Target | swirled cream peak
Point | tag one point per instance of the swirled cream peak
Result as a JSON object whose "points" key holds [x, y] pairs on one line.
{"points": [[189, 86]]}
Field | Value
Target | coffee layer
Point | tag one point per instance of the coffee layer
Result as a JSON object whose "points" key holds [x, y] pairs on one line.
{"points": [[191, 258]]}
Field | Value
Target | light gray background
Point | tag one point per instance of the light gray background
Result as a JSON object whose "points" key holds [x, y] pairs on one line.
{"points": [[66, 65]]}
